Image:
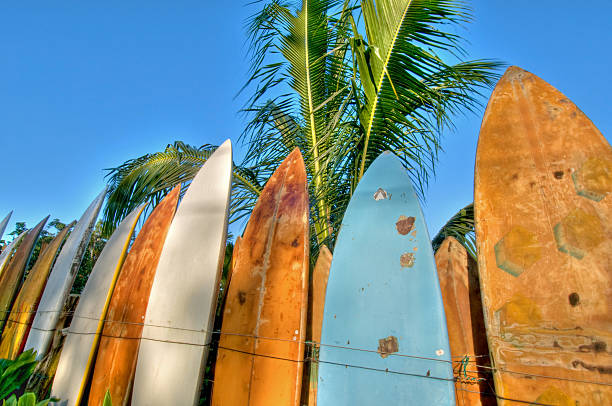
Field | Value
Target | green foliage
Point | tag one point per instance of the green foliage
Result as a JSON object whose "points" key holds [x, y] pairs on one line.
{"points": [[343, 82], [107, 399], [27, 399], [461, 227], [15, 373], [93, 251], [150, 177]]}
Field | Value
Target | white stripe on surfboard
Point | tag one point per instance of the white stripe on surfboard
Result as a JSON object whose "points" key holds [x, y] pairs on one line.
{"points": [[83, 334], [183, 297], [60, 280]]}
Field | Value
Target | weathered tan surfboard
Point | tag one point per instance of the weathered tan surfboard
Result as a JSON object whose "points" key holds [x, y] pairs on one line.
{"points": [[316, 305], [23, 310], [116, 361], [61, 278], [458, 275], [7, 253], [180, 316], [78, 354], [11, 278], [544, 233], [264, 322]]}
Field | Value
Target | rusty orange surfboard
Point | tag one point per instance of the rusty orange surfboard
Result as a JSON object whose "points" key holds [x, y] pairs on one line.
{"points": [[116, 361], [23, 310], [12, 275], [543, 225], [458, 275], [261, 349], [316, 305]]}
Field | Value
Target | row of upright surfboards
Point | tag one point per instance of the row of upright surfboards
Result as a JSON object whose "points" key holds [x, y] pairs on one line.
{"points": [[370, 326]]}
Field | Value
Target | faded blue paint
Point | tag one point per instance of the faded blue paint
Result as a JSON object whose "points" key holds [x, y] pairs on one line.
{"points": [[371, 296]]}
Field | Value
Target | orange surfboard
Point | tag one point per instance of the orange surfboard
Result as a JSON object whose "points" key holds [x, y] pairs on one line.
{"points": [[316, 305], [11, 277], [21, 316], [458, 275], [544, 233], [116, 361], [261, 349]]}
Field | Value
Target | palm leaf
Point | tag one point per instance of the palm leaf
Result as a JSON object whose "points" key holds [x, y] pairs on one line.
{"points": [[150, 177], [410, 92], [461, 227]]}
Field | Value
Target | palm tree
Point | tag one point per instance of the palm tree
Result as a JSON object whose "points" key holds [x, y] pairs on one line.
{"points": [[342, 81]]}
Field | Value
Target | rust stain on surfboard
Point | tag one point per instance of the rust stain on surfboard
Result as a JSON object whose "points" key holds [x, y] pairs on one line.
{"points": [[116, 361], [460, 287], [270, 322], [10, 279], [22, 314], [553, 300]]}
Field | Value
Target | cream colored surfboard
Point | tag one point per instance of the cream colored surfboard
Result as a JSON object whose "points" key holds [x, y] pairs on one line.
{"points": [[60, 280], [4, 223], [84, 333], [182, 303]]}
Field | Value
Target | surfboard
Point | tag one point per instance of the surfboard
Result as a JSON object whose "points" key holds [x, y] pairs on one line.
{"points": [[116, 360], [261, 348], [384, 338], [458, 275], [25, 305], [7, 253], [12, 276], [316, 305], [77, 356], [180, 314], [543, 227], [4, 223], [61, 278]]}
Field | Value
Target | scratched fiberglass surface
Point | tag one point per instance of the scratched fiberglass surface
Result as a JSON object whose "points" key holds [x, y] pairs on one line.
{"points": [[383, 296]]}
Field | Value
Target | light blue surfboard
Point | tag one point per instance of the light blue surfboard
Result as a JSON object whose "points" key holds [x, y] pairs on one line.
{"points": [[384, 338]]}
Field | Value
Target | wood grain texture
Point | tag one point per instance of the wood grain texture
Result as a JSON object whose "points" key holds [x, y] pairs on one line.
{"points": [[116, 362], [316, 306], [264, 322], [458, 275], [23, 310], [11, 278], [543, 226]]}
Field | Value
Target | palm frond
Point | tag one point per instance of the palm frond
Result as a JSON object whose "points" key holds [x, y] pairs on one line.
{"points": [[150, 177], [461, 227], [410, 92]]}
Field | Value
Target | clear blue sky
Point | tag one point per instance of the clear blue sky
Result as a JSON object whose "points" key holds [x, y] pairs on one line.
{"points": [[85, 87]]}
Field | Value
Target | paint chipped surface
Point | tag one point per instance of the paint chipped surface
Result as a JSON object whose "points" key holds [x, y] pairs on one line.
{"points": [[579, 233], [387, 346], [404, 224], [407, 260], [593, 179], [560, 325], [381, 194], [517, 251]]}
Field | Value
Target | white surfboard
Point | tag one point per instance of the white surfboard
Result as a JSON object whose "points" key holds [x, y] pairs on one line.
{"points": [[6, 254], [183, 298], [84, 332], [4, 223], [60, 280]]}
